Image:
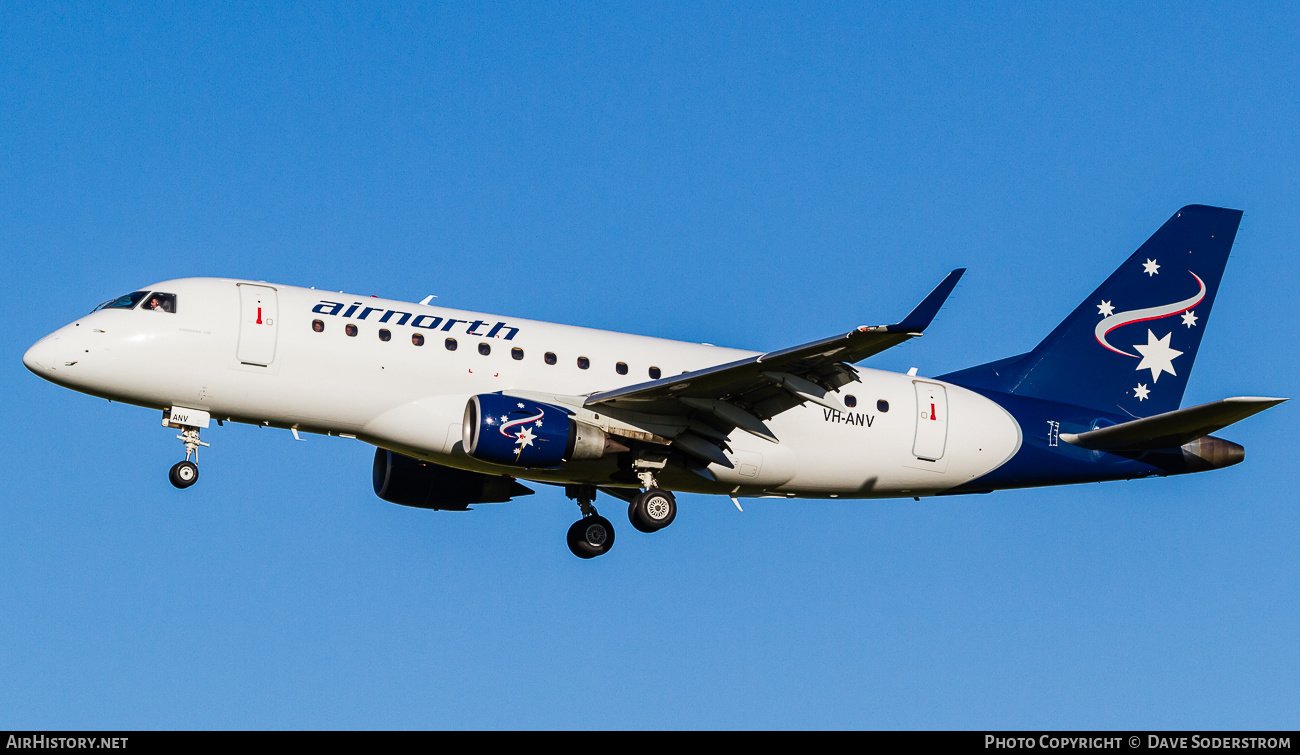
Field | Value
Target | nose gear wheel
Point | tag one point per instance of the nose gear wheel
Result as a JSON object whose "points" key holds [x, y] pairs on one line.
{"points": [[184, 474]]}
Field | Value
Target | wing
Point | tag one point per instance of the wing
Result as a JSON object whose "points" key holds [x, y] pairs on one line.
{"points": [[746, 392]]}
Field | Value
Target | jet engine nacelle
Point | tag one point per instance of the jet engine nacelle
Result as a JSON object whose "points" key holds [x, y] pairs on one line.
{"points": [[411, 482], [523, 433]]}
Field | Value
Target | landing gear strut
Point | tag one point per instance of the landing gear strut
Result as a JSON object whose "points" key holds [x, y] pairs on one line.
{"points": [[655, 508], [592, 535], [185, 473]]}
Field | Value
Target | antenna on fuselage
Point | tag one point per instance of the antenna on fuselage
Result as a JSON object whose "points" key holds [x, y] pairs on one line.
{"points": [[425, 301]]}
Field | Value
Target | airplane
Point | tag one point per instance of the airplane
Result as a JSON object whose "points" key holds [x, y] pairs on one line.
{"points": [[461, 406]]}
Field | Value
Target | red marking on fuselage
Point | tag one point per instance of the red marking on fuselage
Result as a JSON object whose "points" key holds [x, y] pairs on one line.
{"points": [[259, 315], [932, 411]]}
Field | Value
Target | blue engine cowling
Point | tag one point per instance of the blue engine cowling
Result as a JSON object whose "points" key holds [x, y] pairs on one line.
{"points": [[425, 485], [517, 432]]}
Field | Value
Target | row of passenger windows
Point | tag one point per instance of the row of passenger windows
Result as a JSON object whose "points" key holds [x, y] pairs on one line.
{"points": [[549, 357], [485, 349]]}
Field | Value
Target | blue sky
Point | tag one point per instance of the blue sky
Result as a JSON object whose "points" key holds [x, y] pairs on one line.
{"points": [[751, 175]]}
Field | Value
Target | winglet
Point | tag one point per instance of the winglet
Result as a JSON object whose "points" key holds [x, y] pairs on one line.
{"points": [[919, 319]]}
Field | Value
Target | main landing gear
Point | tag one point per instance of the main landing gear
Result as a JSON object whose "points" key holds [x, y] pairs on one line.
{"points": [[592, 535], [649, 511], [655, 508], [652, 510]]}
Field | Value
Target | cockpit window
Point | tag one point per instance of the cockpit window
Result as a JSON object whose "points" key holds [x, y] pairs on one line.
{"points": [[123, 302], [160, 302]]}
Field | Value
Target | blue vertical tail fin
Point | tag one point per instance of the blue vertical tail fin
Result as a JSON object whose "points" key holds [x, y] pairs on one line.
{"points": [[1129, 347]]}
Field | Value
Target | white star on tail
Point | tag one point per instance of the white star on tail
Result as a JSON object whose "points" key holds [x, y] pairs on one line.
{"points": [[1157, 356], [1189, 318], [1105, 309], [1150, 268], [1141, 392]]}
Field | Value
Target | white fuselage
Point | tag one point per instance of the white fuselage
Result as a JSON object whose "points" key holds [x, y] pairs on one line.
{"points": [[217, 354]]}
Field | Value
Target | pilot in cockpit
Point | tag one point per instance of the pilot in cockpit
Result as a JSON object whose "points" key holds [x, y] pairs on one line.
{"points": [[161, 302]]}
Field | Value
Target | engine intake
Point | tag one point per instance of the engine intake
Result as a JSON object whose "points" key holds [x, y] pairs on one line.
{"points": [[523, 433]]}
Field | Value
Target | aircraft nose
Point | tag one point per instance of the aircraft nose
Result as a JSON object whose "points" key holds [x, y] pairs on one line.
{"points": [[39, 357]]}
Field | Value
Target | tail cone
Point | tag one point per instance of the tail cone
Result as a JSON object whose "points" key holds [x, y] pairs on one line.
{"points": [[1212, 453]]}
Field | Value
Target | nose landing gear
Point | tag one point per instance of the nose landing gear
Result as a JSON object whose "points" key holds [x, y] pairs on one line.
{"points": [[185, 473]]}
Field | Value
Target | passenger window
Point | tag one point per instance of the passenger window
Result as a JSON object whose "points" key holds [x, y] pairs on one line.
{"points": [[318, 326], [123, 302], [450, 343], [882, 405], [350, 329], [621, 368], [850, 400], [550, 357], [516, 353], [655, 373], [583, 363], [484, 349], [384, 335], [417, 339], [161, 302]]}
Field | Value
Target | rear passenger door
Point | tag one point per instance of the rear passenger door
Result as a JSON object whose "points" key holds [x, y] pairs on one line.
{"points": [[931, 421]]}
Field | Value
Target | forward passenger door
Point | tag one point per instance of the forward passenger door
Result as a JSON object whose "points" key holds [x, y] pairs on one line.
{"points": [[257, 324]]}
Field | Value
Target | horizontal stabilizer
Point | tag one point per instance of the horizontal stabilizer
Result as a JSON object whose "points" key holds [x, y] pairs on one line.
{"points": [[1171, 429]]}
